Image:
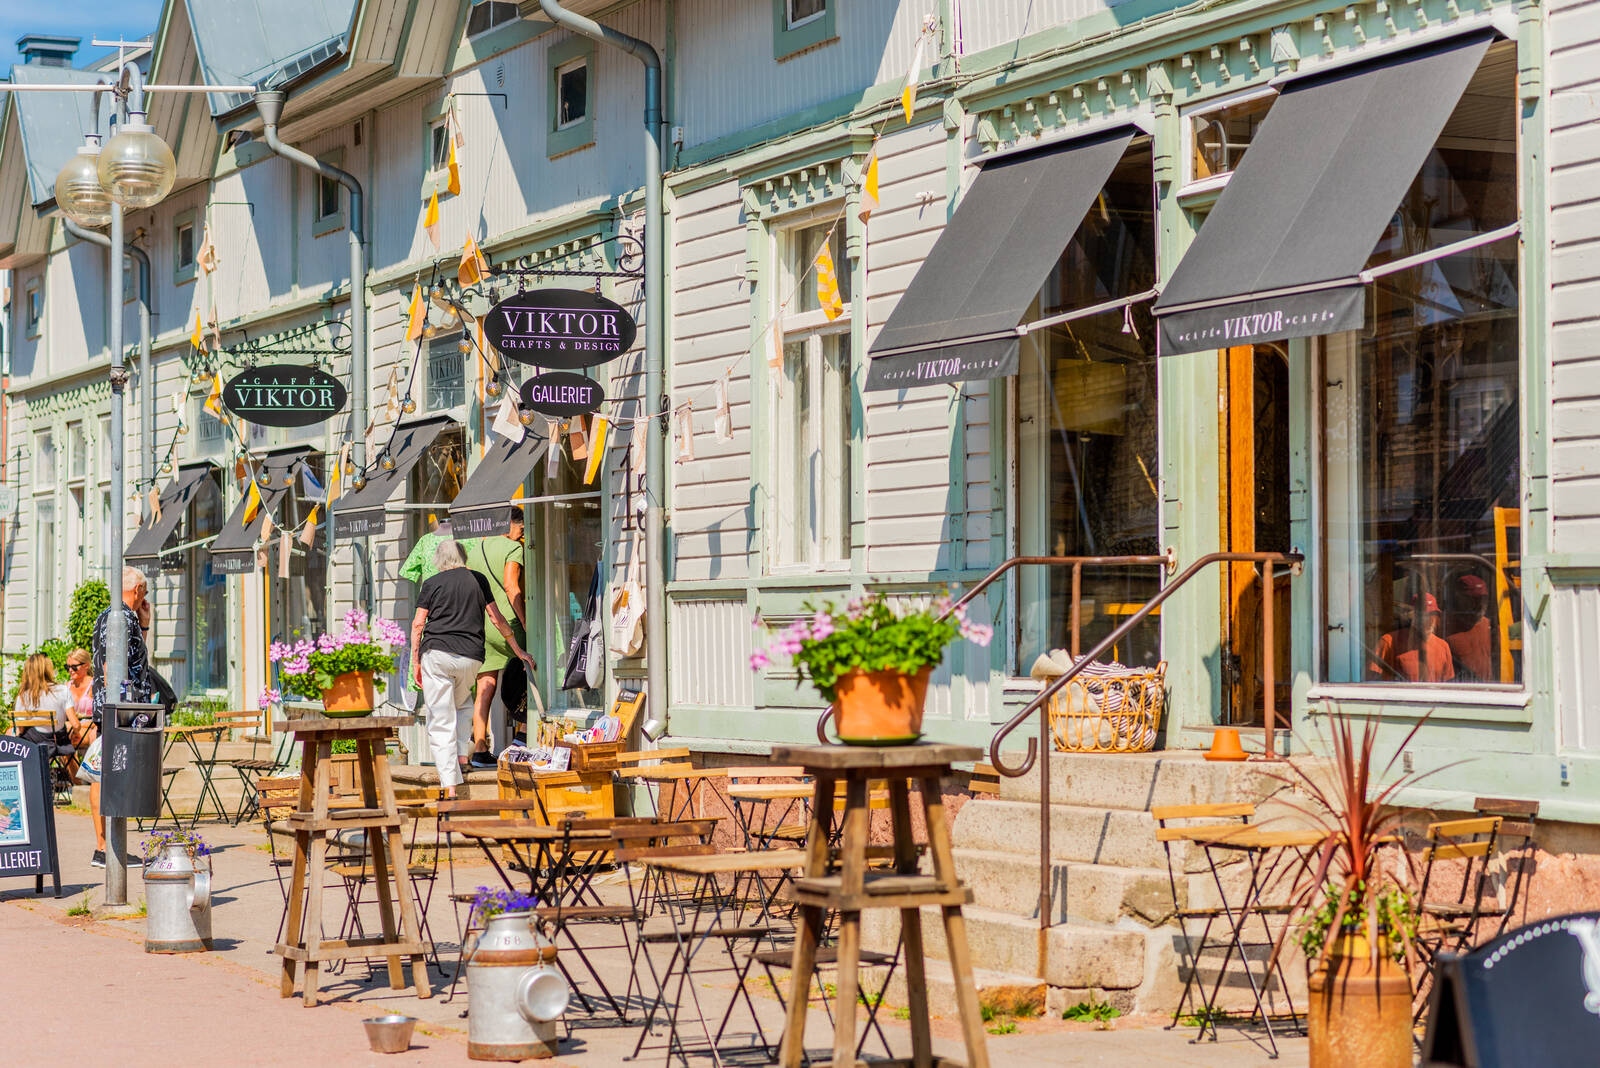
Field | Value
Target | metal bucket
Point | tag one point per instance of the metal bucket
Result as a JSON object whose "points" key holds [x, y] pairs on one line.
{"points": [[390, 1034]]}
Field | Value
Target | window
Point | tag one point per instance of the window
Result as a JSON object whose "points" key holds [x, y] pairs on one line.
{"points": [[798, 25], [208, 432], [44, 580], [104, 443], [44, 461], [436, 479], [447, 383], [1086, 431], [572, 99], [208, 592], [810, 401], [183, 248], [77, 453], [33, 307], [564, 541], [485, 15], [298, 606], [108, 564], [1420, 410], [1220, 135], [439, 145], [327, 214], [572, 93], [130, 280]]}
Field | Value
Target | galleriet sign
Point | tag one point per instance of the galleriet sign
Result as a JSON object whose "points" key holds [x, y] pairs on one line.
{"points": [[562, 394], [284, 395], [563, 328]]}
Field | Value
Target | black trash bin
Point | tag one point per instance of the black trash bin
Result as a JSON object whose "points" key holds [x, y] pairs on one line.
{"points": [[130, 762]]}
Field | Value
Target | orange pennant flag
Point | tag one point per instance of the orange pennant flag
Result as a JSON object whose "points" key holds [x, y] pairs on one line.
{"points": [[308, 532], [430, 219], [908, 95], [213, 402], [869, 187], [416, 315], [197, 339], [828, 297], [473, 265], [454, 183], [252, 502]]}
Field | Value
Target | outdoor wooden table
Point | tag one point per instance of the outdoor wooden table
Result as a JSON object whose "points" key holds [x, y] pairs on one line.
{"points": [[380, 816], [537, 837], [853, 889], [206, 765], [752, 806], [704, 925], [1265, 851], [693, 779]]}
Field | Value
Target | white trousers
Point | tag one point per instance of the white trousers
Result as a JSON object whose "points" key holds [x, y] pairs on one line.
{"points": [[447, 693]]}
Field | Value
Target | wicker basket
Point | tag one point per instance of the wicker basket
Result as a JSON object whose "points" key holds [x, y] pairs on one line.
{"points": [[1112, 713]]}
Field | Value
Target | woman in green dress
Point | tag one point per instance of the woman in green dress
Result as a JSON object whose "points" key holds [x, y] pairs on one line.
{"points": [[499, 559]]}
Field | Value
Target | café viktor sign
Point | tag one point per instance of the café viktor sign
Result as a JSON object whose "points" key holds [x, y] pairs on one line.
{"points": [[566, 329], [284, 395]]}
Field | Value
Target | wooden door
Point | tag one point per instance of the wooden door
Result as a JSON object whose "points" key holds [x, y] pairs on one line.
{"points": [[1254, 485]]}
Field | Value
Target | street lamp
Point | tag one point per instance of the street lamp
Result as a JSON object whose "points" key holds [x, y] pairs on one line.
{"points": [[78, 190], [136, 166]]}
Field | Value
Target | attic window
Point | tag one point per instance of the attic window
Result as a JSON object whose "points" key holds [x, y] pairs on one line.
{"points": [[487, 14], [572, 93], [327, 198], [438, 145], [801, 12]]}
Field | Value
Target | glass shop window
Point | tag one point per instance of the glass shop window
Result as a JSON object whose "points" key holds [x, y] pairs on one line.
{"points": [[1086, 425], [1220, 136], [1423, 474], [207, 591], [435, 480], [298, 605], [446, 374]]}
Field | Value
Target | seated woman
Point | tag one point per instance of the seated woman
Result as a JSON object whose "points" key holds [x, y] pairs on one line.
{"points": [[39, 693], [80, 720]]}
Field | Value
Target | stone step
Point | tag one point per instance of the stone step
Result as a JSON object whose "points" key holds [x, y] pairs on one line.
{"points": [[1079, 955], [1115, 837], [1089, 893], [1137, 781]]}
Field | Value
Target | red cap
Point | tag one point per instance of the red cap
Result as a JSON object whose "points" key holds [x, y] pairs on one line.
{"points": [[1429, 605], [1473, 586]]}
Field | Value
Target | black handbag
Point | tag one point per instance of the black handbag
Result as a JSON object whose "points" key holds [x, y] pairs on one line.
{"points": [[582, 645]]}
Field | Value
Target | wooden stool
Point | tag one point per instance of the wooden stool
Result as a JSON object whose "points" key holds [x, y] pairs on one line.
{"points": [[381, 819], [854, 888]]}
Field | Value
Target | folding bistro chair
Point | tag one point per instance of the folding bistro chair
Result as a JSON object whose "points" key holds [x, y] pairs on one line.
{"points": [[60, 780], [1448, 919], [761, 796], [1179, 823], [1516, 847], [253, 768]]}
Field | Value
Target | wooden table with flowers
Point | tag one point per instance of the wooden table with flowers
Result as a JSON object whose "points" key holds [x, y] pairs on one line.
{"points": [[380, 818]]}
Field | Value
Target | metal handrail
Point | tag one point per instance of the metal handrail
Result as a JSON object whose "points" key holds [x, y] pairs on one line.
{"points": [[1267, 560], [1077, 563]]}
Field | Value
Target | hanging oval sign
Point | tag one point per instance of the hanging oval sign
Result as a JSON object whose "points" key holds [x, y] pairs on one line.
{"points": [[562, 394], [564, 328], [284, 395]]}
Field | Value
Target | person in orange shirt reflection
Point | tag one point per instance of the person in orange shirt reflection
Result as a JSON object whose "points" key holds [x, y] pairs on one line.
{"points": [[1415, 653], [1467, 630]]}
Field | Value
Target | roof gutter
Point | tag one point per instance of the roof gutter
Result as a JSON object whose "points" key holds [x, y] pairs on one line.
{"points": [[655, 333]]}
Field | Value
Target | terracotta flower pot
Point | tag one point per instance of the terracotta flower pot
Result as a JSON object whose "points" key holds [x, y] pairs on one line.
{"points": [[1360, 1018], [352, 694], [880, 707]]}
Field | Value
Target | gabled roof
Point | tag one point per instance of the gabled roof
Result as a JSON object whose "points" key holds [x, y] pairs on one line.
{"points": [[53, 124], [266, 43]]}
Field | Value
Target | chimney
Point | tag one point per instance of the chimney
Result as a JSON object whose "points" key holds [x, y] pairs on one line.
{"points": [[48, 49]]}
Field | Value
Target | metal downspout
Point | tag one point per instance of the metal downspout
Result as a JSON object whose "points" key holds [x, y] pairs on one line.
{"points": [[270, 104], [655, 128]]}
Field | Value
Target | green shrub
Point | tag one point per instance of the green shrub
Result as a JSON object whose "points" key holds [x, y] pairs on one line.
{"points": [[88, 601]]}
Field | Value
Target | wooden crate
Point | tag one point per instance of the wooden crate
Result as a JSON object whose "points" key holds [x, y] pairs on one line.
{"points": [[593, 756], [589, 792]]}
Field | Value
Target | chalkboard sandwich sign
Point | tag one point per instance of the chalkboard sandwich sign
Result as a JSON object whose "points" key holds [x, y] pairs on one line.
{"points": [[562, 394], [284, 395], [27, 818], [566, 329]]}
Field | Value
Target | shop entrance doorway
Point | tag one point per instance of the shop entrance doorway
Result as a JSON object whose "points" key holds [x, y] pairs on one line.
{"points": [[1254, 483]]}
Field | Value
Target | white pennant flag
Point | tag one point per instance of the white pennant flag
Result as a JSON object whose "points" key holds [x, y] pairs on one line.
{"points": [[683, 419], [177, 405], [506, 421], [722, 421], [552, 459], [266, 527], [283, 554], [638, 445]]}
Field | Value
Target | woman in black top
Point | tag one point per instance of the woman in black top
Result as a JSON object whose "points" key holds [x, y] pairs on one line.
{"points": [[447, 636]]}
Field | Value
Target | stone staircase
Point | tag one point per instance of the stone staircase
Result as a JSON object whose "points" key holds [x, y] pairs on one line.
{"points": [[1113, 936]]}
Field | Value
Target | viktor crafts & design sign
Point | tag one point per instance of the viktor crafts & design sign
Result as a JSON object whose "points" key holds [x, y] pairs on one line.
{"points": [[561, 328], [562, 394], [284, 395]]}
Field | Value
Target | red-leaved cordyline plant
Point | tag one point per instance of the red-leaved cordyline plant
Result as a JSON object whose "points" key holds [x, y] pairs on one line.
{"points": [[1354, 812]]}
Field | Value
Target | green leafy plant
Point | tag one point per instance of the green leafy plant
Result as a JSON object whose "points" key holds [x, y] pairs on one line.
{"points": [[1204, 1018], [1092, 1011], [1004, 1027], [1396, 918], [307, 667], [88, 601], [902, 1013], [197, 712], [191, 842], [82, 907], [869, 635]]}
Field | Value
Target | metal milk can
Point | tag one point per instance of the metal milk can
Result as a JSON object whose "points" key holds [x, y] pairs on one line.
{"points": [[177, 903], [516, 995]]}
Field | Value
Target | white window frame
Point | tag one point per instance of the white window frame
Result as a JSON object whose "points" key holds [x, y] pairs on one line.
{"points": [[77, 470], [792, 23], [103, 453], [33, 308], [516, 14], [561, 70], [41, 484], [1193, 186], [811, 328]]}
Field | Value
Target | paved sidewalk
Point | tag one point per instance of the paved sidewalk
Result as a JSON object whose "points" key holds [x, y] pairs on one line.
{"points": [[90, 986]]}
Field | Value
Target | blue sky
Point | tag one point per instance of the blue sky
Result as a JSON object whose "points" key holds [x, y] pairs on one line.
{"points": [[106, 19]]}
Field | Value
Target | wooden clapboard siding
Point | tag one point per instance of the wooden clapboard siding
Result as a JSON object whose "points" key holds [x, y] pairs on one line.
{"points": [[910, 467], [710, 334], [1576, 617], [1574, 302], [728, 44], [710, 652], [991, 23]]}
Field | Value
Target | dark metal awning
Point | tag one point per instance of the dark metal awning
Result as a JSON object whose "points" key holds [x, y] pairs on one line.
{"points": [[482, 507], [152, 536], [361, 513], [1282, 253], [958, 319], [233, 551]]}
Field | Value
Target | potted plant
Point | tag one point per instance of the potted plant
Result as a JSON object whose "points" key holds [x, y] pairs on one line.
{"points": [[872, 661], [175, 843], [340, 667], [1356, 922]]}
